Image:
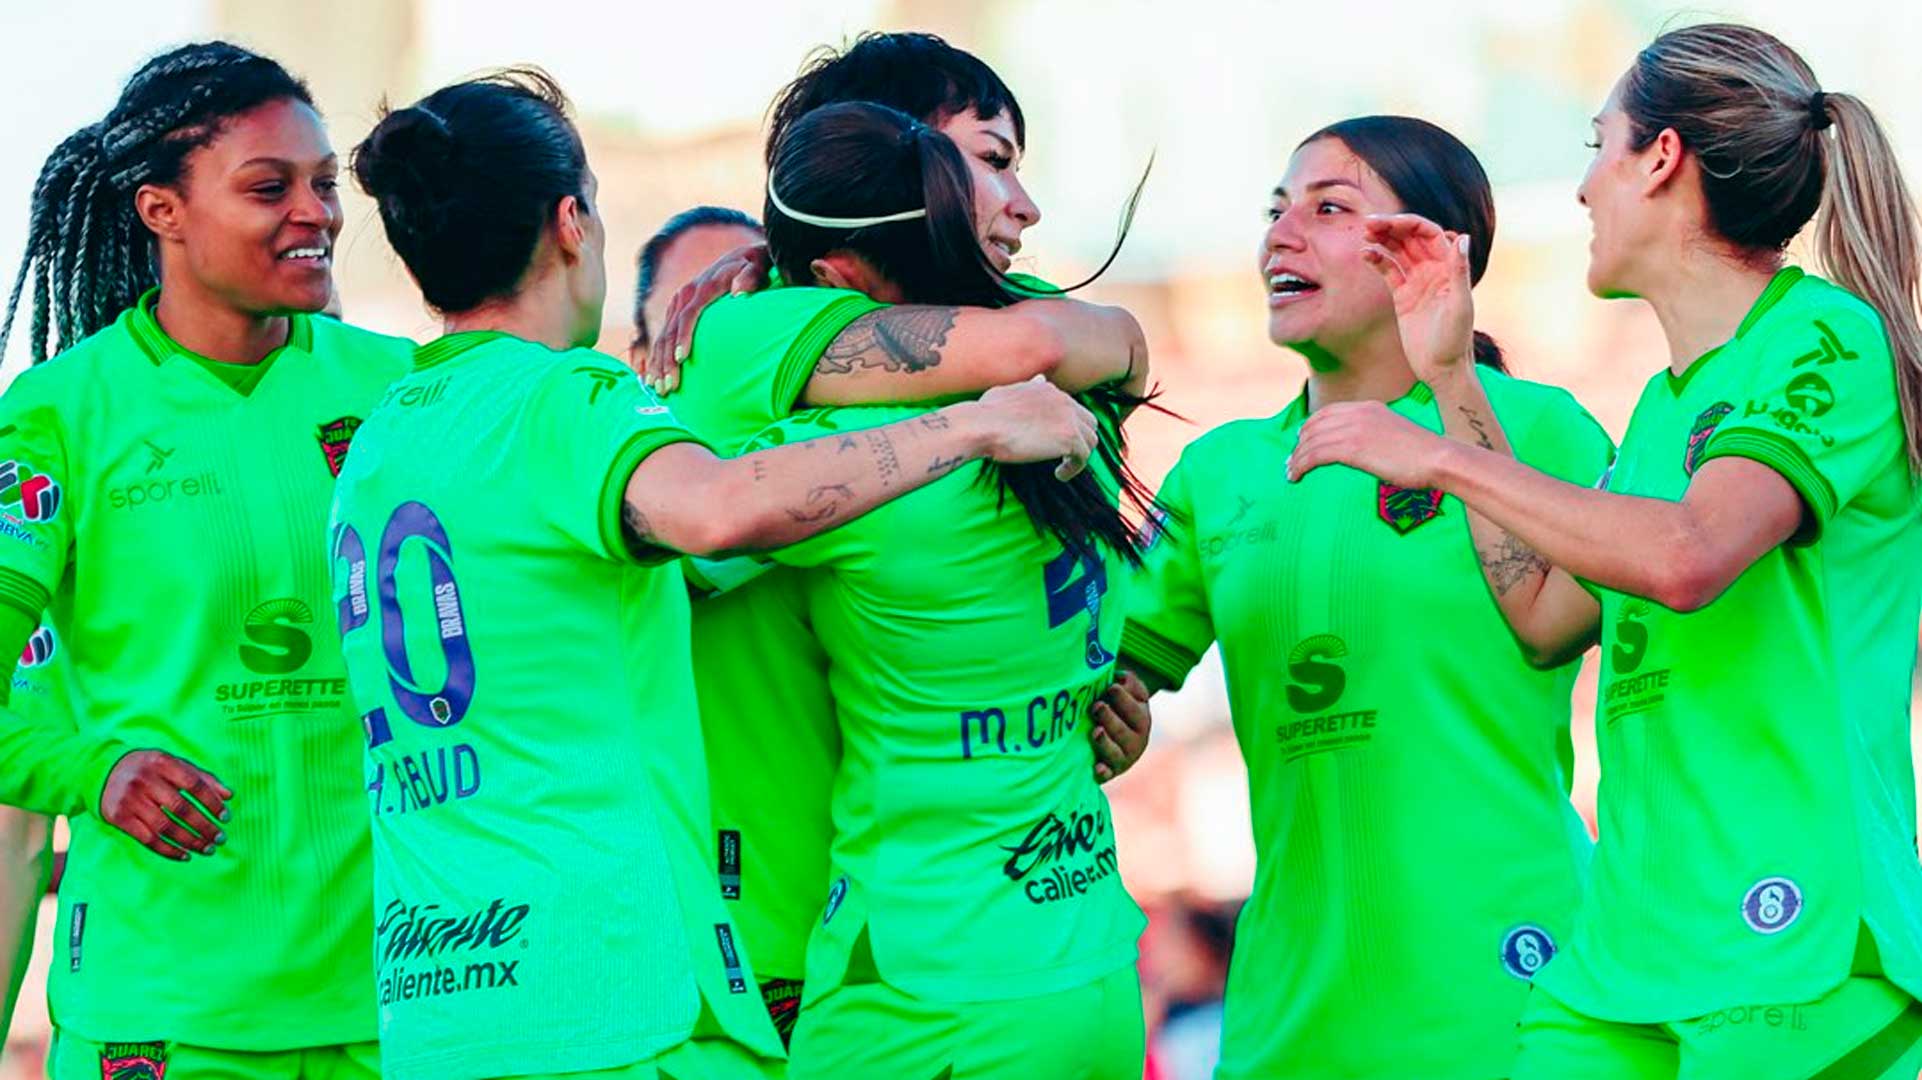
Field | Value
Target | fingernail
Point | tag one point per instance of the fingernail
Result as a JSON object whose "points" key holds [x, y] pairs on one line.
{"points": [[1462, 243], [680, 351], [226, 815], [220, 838]]}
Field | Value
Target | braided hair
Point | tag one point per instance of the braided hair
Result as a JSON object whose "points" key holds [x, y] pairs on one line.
{"points": [[88, 254]]}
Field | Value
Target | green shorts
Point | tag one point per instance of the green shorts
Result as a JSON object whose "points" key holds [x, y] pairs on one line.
{"points": [[872, 1031], [74, 1058], [1865, 1029]]}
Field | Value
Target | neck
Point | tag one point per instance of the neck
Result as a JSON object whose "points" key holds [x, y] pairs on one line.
{"points": [[1374, 371], [199, 323], [536, 314], [1701, 299]]}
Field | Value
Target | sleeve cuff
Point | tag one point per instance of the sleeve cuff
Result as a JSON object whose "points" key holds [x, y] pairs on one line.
{"points": [[614, 493], [797, 366], [22, 593], [1788, 459], [1166, 659]]}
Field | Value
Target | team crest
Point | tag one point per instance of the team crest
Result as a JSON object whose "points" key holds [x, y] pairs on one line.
{"points": [[1698, 435], [1406, 509], [133, 1061], [35, 496], [334, 437]]}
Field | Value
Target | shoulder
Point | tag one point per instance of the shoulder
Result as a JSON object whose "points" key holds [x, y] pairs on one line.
{"points": [[781, 311], [1818, 320], [1235, 440], [1528, 399], [73, 373], [821, 423], [333, 338]]}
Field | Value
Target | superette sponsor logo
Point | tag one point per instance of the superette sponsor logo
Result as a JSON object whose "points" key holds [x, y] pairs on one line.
{"points": [[425, 950], [1632, 689], [1316, 683], [1060, 858], [277, 641]]}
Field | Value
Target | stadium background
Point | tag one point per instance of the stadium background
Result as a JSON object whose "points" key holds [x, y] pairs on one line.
{"points": [[671, 98]]}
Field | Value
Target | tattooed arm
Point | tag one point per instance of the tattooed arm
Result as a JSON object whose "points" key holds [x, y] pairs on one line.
{"points": [[1552, 615], [684, 498], [919, 352]]}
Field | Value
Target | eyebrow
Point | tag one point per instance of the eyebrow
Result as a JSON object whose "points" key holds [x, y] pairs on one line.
{"points": [[283, 163], [1320, 185], [1007, 147]]}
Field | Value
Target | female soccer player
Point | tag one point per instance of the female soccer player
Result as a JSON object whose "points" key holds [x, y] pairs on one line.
{"points": [[1756, 904], [687, 244], [976, 923], [167, 478], [545, 900], [1418, 860], [768, 713]]}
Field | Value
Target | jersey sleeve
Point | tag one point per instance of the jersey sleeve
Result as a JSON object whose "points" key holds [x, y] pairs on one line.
{"points": [[752, 357], [1821, 410], [1168, 625], [593, 423]]}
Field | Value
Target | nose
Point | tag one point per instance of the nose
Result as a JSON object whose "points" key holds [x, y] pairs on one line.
{"points": [[1283, 234], [316, 209], [1020, 207]]}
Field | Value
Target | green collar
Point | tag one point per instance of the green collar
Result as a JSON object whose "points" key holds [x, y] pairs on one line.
{"points": [[241, 378], [1778, 287], [1296, 413], [447, 346]]}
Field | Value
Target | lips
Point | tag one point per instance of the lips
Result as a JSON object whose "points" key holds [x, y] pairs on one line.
{"points": [[1288, 286], [312, 256]]}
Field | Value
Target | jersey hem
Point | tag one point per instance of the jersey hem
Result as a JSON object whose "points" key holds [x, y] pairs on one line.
{"points": [[955, 988], [1574, 993]]}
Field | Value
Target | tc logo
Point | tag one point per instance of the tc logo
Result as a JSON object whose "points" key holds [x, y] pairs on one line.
{"points": [[1317, 680], [1631, 638], [279, 645]]}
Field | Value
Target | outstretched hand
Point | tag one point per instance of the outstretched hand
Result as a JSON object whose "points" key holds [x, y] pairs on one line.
{"points": [[1426, 268]]}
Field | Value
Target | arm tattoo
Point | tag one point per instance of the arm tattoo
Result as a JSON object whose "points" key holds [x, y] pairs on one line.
{"points": [[885, 461], [907, 338], [1481, 430], [1510, 562], [823, 502], [943, 464]]}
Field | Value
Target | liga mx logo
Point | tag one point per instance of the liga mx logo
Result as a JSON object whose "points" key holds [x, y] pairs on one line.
{"points": [[36, 494], [1525, 950], [39, 648]]}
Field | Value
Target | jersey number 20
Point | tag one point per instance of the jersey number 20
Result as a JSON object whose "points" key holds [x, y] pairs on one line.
{"points": [[437, 707]]}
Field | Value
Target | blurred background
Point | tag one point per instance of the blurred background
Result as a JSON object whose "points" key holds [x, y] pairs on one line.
{"points": [[671, 99]]}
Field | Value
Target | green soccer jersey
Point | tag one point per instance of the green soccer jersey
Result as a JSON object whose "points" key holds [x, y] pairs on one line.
{"points": [[1751, 750], [169, 523], [767, 716], [974, 855], [1417, 857], [544, 895]]}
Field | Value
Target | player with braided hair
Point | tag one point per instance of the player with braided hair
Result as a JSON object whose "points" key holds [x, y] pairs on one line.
{"points": [[163, 498]]}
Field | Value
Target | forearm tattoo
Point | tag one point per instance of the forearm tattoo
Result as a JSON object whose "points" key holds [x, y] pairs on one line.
{"points": [[1509, 562], [824, 501], [1481, 430], [893, 339]]}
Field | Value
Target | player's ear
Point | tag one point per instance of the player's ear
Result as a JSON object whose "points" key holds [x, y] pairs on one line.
{"points": [[829, 275]]}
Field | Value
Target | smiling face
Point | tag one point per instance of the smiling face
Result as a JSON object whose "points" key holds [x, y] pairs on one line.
{"points": [[255, 216], [1002, 208], [1615, 191], [1322, 298]]}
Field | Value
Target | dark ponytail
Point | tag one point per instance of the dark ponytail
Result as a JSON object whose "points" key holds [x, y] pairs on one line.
{"points": [[839, 169], [468, 176], [88, 253], [1435, 175]]}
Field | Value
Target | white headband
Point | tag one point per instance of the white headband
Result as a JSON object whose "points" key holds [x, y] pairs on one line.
{"points": [[838, 222]]}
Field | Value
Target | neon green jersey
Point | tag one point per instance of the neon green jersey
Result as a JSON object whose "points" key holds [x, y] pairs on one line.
{"points": [[1417, 857], [170, 525], [543, 896], [766, 713], [973, 851], [1751, 751]]}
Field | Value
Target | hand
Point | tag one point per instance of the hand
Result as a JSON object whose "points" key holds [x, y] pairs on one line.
{"points": [[1120, 729], [1033, 421], [1426, 268], [743, 270], [1371, 437], [145, 785]]}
